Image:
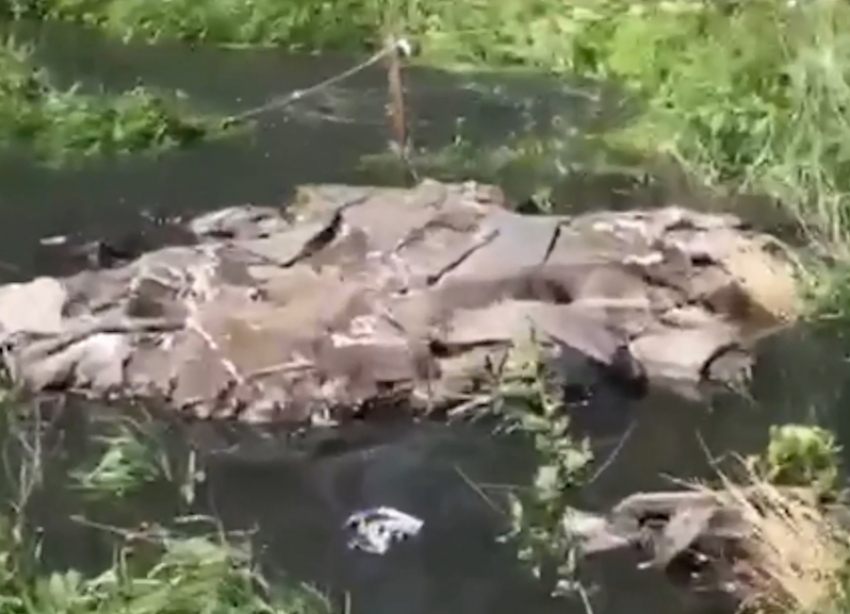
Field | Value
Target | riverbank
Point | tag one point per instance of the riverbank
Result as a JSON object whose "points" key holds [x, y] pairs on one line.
{"points": [[741, 114]]}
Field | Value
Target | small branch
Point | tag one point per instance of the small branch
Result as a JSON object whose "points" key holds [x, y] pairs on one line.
{"points": [[614, 453]]}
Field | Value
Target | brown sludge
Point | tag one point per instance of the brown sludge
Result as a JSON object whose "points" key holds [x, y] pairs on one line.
{"points": [[363, 298]]}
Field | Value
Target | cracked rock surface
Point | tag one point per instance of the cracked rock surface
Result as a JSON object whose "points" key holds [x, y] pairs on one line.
{"points": [[357, 299]]}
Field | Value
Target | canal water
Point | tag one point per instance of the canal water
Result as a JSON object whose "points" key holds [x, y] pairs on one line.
{"points": [[298, 498]]}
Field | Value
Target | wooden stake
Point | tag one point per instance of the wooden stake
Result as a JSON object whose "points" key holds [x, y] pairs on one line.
{"points": [[396, 108]]}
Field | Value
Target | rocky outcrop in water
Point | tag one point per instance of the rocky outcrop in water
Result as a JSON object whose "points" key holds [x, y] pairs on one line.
{"points": [[354, 300]]}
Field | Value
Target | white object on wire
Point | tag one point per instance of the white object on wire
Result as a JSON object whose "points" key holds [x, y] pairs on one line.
{"points": [[404, 47]]}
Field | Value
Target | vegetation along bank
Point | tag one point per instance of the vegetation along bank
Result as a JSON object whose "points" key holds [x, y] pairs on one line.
{"points": [[59, 126]]}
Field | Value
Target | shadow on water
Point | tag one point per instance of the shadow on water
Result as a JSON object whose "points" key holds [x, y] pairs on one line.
{"points": [[298, 501]]}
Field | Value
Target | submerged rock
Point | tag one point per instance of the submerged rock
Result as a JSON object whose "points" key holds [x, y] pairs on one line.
{"points": [[359, 299]]}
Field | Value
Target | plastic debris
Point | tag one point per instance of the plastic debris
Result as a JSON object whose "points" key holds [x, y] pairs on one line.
{"points": [[54, 240], [376, 529]]}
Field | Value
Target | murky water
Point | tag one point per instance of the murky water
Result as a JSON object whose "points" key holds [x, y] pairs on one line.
{"points": [[298, 502]]}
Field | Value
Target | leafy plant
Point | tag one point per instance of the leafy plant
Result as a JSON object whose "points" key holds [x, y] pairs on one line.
{"points": [[532, 402], [800, 455], [61, 125], [154, 573], [131, 459]]}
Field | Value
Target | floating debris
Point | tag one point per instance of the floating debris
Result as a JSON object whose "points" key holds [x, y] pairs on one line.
{"points": [[376, 529], [54, 240]]}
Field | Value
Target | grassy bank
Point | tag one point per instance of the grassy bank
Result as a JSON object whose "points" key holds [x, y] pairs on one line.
{"points": [[763, 114], [747, 97], [59, 126], [492, 32], [295, 23]]}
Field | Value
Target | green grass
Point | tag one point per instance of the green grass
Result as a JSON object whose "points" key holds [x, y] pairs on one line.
{"points": [[59, 126], [747, 96], [292, 23], [471, 32], [764, 113]]}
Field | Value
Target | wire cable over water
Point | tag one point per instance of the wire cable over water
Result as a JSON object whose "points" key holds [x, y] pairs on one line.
{"points": [[401, 46]]}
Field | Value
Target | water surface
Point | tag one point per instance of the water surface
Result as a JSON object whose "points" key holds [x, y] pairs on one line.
{"points": [[298, 502]]}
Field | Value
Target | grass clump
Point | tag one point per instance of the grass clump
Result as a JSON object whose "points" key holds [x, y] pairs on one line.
{"points": [[795, 556], [130, 459], [60, 125], [794, 553], [801, 455]]}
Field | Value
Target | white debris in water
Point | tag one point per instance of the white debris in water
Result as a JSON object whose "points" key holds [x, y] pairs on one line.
{"points": [[55, 240], [376, 529]]}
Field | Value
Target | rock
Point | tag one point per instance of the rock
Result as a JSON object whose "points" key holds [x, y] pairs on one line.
{"points": [[361, 299], [241, 222], [34, 307], [725, 539]]}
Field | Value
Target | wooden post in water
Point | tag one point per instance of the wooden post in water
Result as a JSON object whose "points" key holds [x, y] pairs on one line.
{"points": [[396, 108]]}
